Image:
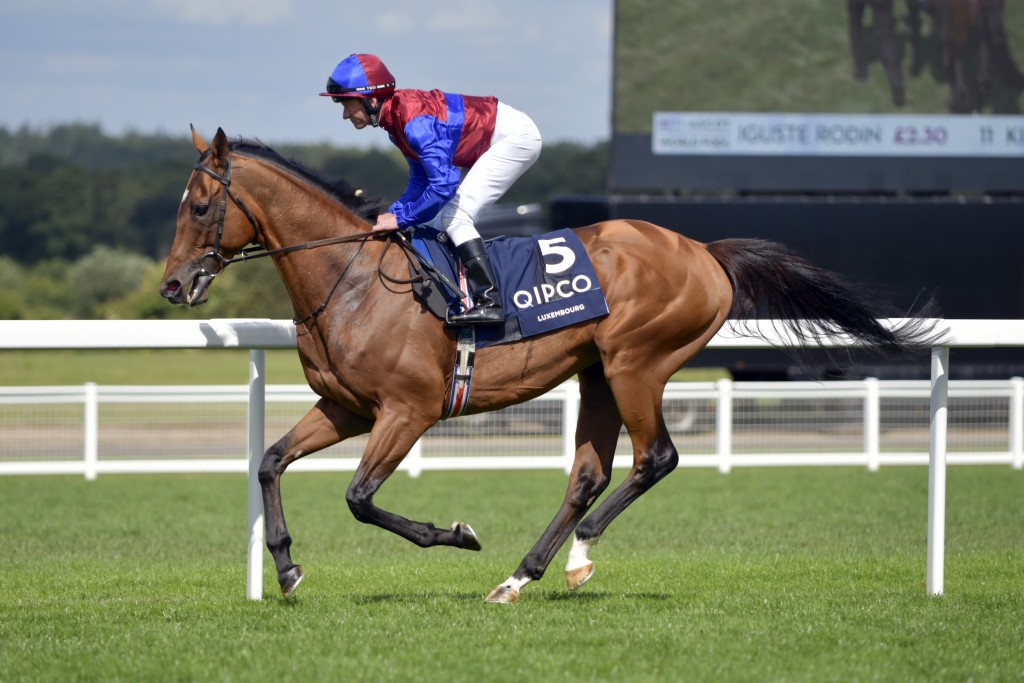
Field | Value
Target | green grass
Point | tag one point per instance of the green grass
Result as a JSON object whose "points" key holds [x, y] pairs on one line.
{"points": [[144, 366], [760, 575], [185, 366]]}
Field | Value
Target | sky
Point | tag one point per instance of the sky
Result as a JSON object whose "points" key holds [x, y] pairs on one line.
{"points": [[255, 67]]}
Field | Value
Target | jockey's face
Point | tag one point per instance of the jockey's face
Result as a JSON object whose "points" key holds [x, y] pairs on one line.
{"points": [[355, 112]]}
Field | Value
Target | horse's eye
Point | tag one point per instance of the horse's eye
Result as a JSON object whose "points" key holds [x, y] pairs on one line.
{"points": [[199, 210]]}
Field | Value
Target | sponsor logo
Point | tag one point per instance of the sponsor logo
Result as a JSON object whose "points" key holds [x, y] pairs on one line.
{"points": [[542, 294], [558, 259]]}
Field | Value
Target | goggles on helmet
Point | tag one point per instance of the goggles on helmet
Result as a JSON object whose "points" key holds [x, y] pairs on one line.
{"points": [[338, 92]]}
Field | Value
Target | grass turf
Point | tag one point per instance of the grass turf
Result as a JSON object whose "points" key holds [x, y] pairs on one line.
{"points": [[789, 574], [177, 366]]}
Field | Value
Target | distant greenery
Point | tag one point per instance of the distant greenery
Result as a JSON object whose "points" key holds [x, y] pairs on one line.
{"points": [[108, 283], [86, 219]]}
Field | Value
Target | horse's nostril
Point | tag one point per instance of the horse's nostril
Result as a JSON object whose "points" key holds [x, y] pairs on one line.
{"points": [[171, 287]]}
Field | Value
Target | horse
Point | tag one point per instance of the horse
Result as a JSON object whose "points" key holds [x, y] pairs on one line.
{"points": [[885, 32], [381, 363], [961, 25], [968, 34], [964, 29]]}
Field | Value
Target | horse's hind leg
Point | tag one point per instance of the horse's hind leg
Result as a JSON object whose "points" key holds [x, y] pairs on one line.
{"points": [[638, 385], [654, 457], [326, 424], [597, 432]]}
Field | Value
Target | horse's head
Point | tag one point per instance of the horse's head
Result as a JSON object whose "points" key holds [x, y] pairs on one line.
{"points": [[213, 225]]}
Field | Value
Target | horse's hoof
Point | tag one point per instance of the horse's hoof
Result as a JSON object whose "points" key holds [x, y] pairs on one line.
{"points": [[465, 537], [574, 578], [290, 580], [505, 595]]}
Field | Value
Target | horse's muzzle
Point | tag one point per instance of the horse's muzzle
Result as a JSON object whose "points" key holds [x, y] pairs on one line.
{"points": [[194, 295]]}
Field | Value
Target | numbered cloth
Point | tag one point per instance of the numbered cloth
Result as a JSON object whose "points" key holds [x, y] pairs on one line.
{"points": [[546, 281]]}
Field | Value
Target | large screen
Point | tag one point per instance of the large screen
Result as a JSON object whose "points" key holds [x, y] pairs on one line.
{"points": [[818, 96]]}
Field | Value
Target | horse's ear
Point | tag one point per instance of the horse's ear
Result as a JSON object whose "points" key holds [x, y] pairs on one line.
{"points": [[220, 144], [198, 142]]}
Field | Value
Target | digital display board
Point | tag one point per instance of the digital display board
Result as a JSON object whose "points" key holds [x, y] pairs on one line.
{"points": [[806, 96]]}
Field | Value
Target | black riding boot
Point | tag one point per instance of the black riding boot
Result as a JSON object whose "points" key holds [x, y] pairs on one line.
{"points": [[486, 300]]}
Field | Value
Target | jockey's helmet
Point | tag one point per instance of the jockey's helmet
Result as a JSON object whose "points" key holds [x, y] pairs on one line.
{"points": [[359, 75]]}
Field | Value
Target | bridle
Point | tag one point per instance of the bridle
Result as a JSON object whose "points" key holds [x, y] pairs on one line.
{"points": [[225, 181], [260, 251]]}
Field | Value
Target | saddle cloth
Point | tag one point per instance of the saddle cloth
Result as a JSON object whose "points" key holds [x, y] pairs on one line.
{"points": [[546, 282]]}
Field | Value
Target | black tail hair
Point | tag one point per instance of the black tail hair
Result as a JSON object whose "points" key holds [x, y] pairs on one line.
{"points": [[808, 304]]}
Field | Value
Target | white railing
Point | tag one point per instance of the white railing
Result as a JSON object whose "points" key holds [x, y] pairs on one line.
{"points": [[94, 429], [258, 335]]}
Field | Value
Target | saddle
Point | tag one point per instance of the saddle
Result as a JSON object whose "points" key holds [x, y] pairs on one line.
{"points": [[546, 281]]}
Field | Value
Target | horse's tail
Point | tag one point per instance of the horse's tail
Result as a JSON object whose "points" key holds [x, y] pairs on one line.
{"points": [[807, 304]]}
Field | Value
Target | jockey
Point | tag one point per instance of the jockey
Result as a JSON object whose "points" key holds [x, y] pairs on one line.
{"points": [[440, 133]]}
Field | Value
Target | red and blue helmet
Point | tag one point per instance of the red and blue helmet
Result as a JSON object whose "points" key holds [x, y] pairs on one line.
{"points": [[359, 75]]}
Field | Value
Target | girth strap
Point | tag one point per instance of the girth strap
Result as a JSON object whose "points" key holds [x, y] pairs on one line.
{"points": [[465, 354]]}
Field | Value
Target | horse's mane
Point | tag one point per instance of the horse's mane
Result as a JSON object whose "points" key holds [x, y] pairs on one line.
{"points": [[367, 208]]}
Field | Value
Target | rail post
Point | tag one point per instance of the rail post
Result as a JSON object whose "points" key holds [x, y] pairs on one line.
{"points": [[92, 431], [723, 425], [872, 422], [1017, 423], [570, 417], [256, 420], [937, 471], [413, 463]]}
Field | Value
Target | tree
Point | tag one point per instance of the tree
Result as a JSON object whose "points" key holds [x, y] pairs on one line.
{"points": [[86, 219]]}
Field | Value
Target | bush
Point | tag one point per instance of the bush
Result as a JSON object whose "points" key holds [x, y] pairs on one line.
{"points": [[104, 275]]}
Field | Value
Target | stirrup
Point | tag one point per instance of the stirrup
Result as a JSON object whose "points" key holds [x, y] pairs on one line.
{"points": [[479, 315]]}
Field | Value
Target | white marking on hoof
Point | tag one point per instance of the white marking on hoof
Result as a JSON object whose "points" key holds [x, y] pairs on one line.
{"points": [[574, 578], [579, 569], [503, 595], [508, 592]]}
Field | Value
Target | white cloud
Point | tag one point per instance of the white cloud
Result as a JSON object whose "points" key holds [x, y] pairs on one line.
{"points": [[223, 12], [133, 65]]}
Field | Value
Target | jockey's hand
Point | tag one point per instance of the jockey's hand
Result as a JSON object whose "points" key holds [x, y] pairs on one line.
{"points": [[386, 222]]}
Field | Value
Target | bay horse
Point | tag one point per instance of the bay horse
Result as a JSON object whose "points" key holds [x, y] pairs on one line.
{"points": [[382, 363], [963, 25]]}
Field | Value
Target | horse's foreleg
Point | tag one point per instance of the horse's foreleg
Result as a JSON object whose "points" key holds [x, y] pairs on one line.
{"points": [[959, 96], [855, 19], [597, 432], [917, 57], [984, 74], [888, 43], [324, 425], [392, 437]]}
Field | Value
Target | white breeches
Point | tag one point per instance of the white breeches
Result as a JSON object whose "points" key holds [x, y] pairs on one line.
{"points": [[514, 147]]}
